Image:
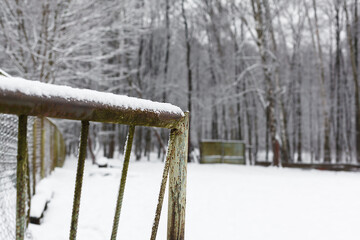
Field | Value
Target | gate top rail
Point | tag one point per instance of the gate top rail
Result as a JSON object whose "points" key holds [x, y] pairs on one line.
{"points": [[33, 98]]}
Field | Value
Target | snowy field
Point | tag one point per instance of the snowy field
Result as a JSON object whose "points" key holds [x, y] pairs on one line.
{"points": [[223, 202]]}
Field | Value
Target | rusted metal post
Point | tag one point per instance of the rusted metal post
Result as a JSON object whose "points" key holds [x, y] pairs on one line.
{"points": [[28, 185], [21, 178], [63, 151], [51, 149], [177, 180], [55, 148], [122, 182], [34, 168], [42, 148], [163, 186], [79, 179], [57, 145]]}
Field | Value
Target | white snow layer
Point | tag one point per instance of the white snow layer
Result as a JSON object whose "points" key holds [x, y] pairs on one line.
{"points": [[44, 194], [224, 201], [38, 203], [36, 88]]}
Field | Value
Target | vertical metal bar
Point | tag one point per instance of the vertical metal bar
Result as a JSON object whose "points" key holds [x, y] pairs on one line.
{"points": [[122, 182], [42, 149], [51, 149], [79, 179], [177, 181], [34, 155], [21, 180], [28, 185], [63, 151], [54, 148], [163, 185]]}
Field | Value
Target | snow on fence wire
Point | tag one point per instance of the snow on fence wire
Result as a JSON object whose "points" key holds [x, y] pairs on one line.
{"points": [[30, 98], [45, 150]]}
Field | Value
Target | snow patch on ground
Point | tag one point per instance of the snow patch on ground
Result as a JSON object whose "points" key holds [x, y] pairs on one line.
{"points": [[223, 202]]}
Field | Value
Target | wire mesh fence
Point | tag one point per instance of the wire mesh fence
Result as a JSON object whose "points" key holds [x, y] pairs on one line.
{"points": [[46, 150]]}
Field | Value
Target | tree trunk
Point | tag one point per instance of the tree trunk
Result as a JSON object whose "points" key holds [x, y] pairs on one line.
{"points": [[299, 116], [167, 48], [189, 74], [327, 150], [270, 96], [354, 68], [338, 130], [111, 141], [147, 143], [283, 116], [138, 143], [90, 147]]}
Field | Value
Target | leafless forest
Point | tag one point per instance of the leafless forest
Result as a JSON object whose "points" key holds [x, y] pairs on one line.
{"points": [[270, 72]]}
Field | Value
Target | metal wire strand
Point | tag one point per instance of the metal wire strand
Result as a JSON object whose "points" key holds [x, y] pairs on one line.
{"points": [[79, 179], [122, 182]]}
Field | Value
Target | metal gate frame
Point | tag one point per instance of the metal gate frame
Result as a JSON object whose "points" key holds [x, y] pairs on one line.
{"points": [[23, 104]]}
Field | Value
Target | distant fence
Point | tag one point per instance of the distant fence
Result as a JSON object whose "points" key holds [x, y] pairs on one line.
{"points": [[317, 166], [45, 151], [218, 151]]}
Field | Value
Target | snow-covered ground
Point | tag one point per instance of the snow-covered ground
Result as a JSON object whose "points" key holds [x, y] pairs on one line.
{"points": [[223, 202]]}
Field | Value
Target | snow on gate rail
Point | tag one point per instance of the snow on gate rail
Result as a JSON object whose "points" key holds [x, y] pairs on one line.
{"points": [[31, 98], [19, 96]]}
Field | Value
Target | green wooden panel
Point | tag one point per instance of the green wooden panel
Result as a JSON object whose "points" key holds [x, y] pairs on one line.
{"points": [[222, 152], [234, 160], [211, 159], [211, 148], [233, 148], [211, 152]]}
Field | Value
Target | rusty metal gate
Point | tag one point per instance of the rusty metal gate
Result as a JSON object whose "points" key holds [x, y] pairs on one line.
{"points": [[29, 98], [220, 151]]}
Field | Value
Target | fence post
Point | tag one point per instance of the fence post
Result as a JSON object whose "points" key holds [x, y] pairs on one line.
{"points": [[54, 147], [177, 180], [63, 152], [51, 149], [34, 168], [42, 148], [21, 178]]}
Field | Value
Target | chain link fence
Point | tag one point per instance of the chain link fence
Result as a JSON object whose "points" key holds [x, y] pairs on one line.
{"points": [[46, 150]]}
